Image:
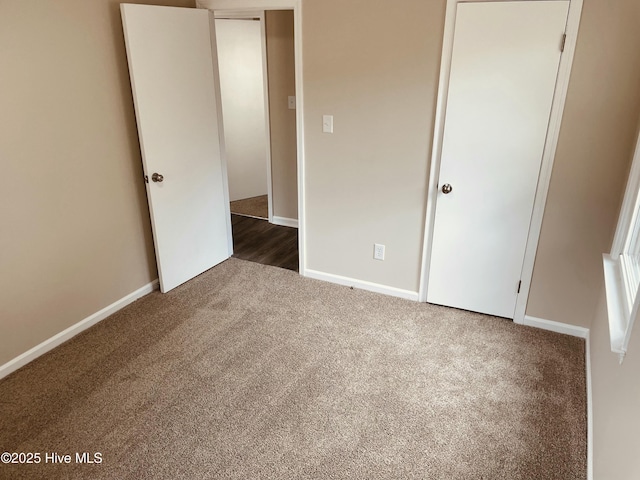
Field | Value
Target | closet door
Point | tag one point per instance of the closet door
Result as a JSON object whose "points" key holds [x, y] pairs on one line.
{"points": [[175, 83], [503, 74]]}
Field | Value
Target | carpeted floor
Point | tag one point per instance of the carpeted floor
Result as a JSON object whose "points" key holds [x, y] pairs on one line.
{"points": [[257, 207], [252, 372]]}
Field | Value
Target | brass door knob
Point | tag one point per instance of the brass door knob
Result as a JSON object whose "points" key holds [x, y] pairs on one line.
{"points": [[156, 177], [446, 188]]}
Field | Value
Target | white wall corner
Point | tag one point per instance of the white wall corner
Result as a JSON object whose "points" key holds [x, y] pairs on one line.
{"points": [[362, 284], [58, 339]]}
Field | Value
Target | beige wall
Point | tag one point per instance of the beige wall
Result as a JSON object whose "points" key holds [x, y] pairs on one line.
{"points": [[282, 121], [374, 66], [616, 403], [592, 160], [75, 231]]}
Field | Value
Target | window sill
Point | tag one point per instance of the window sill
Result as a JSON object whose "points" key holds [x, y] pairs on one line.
{"points": [[616, 309]]}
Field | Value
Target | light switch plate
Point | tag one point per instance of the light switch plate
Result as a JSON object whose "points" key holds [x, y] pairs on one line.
{"points": [[292, 102], [327, 123]]}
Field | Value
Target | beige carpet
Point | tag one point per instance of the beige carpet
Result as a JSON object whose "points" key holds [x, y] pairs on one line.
{"points": [[257, 207], [252, 372]]}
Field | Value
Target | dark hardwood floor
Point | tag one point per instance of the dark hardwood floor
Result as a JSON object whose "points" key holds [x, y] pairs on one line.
{"points": [[262, 242]]}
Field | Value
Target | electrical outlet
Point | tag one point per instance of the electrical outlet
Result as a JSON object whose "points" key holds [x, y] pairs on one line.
{"points": [[291, 102], [378, 251]]}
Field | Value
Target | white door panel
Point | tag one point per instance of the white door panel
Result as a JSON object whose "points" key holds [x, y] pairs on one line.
{"points": [[173, 68], [502, 81]]}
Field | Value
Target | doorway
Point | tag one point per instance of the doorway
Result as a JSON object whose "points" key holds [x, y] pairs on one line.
{"points": [[244, 94], [173, 66], [256, 57]]}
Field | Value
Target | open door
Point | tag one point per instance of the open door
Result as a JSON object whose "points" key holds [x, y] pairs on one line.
{"points": [[174, 78]]}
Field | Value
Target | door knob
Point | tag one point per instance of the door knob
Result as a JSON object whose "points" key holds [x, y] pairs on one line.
{"points": [[446, 188], [156, 177]]}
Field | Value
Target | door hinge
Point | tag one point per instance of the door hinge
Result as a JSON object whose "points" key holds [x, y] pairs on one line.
{"points": [[146, 179], [563, 41], [519, 285]]}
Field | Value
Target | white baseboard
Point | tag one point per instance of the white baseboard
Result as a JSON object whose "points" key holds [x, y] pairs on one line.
{"points": [[557, 327], [284, 221], [589, 411], [362, 284], [248, 216], [49, 344]]}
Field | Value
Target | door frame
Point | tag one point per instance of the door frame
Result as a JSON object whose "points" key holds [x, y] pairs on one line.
{"points": [[239, 6], [544, 178], [246, 15]]}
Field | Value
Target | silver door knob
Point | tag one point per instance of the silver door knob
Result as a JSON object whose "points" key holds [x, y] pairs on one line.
{"points": [[156, 177], [446, 188]]}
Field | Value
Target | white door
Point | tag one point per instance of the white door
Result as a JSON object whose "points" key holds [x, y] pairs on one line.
{"points": [[502, 80], [174, 78]]}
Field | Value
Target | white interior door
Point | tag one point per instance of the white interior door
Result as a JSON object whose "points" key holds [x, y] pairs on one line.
{"points": [[502, 81], [174, 78]]}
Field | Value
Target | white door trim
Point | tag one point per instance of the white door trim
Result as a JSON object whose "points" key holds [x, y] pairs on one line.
{"points": [[562, 83], [237, 6]]}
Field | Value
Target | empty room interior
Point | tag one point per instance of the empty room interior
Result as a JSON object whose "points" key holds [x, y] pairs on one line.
{"points": [[320, 239]]}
